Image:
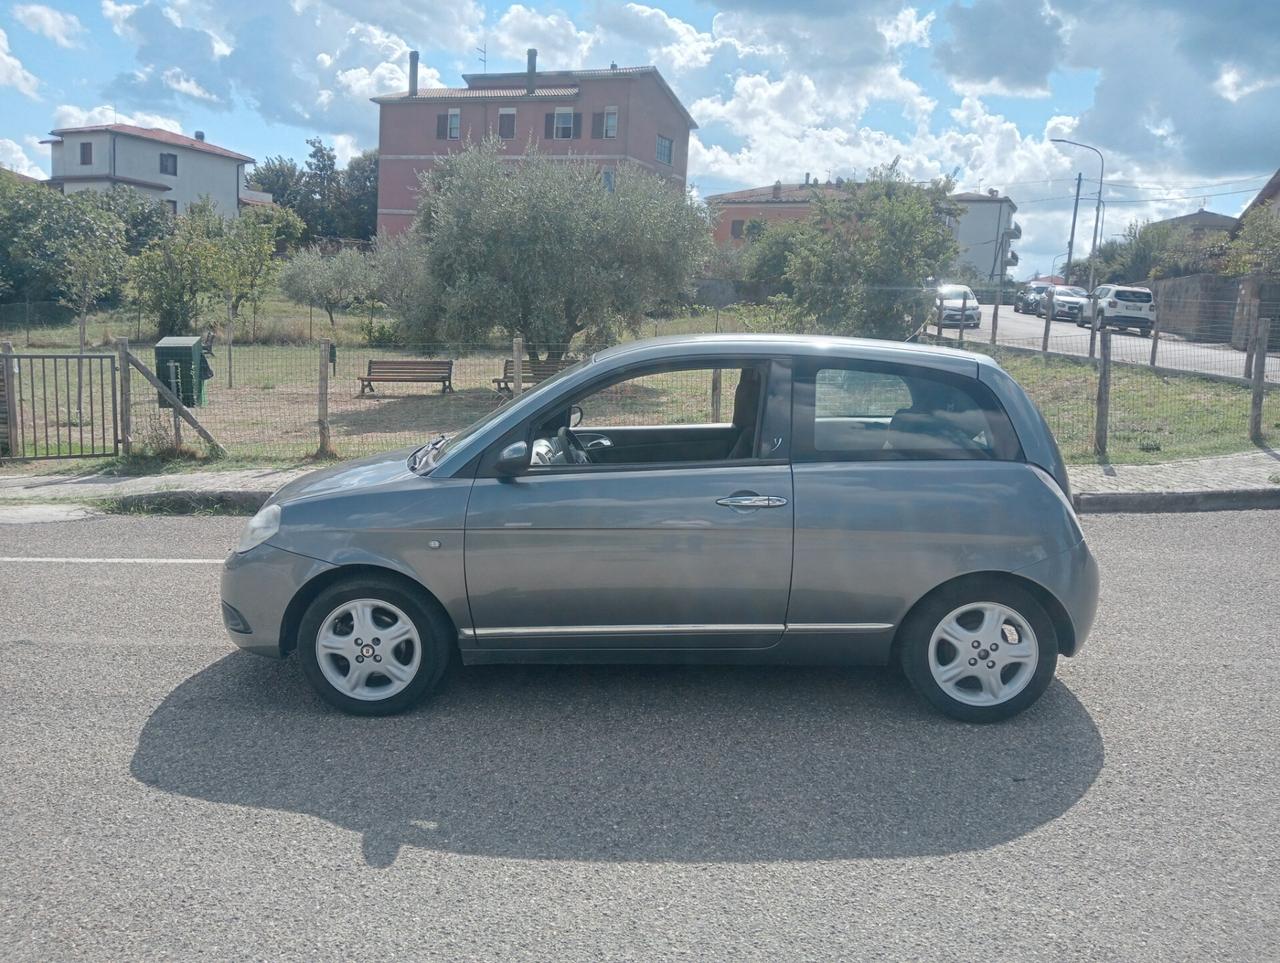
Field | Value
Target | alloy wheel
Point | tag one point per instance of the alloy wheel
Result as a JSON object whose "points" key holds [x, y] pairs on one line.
{"points": [[983, 654], [368, 649]]}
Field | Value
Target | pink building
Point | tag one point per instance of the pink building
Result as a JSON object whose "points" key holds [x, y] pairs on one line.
{"points": [[603, 116], [779, 202]]}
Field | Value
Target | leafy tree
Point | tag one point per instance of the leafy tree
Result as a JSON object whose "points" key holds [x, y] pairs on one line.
{"points": [[331, 282], [401, 281], [286, 227], [91, 253], [322, 196], [173, 273], [144, 218], [283, 179], [766, 258], [542, 249], [1256, 249], [358, 197], [865, 266]]}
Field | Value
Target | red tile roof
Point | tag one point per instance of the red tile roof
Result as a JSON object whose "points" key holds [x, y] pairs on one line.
{"points": [[161, 136], [787, 194]]}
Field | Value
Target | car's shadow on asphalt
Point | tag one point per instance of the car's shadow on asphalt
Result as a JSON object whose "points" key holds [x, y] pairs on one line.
{"points": [[699, 764]]}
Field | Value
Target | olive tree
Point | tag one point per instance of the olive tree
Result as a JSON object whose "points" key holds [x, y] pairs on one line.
{"points": [[549, 249], [331, 282]]}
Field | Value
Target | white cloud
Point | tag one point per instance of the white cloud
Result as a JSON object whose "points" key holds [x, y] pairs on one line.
{"points": [[69, 115], [13, 74], [345, 148], [907, 28], [117, 14], [61, 28], [179, 82], [1232, 84], [668, 40], [14, 158], [560, 44]]}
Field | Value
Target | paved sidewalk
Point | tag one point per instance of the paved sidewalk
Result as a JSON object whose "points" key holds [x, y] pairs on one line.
{"points": [[1249, 470]]}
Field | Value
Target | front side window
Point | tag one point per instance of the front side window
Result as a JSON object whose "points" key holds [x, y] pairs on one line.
{"points": [[658, 417], [564, 123], [455, 124], [86, 153], [169, 164], [610, 123], [507, 123], [874, 411], [664, 150]]}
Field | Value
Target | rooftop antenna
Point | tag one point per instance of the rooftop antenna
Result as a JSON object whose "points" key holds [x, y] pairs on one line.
{"points": [[483, 51]]}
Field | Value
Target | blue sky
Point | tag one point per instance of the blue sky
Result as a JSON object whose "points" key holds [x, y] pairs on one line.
{"points": [[1181, 96]]}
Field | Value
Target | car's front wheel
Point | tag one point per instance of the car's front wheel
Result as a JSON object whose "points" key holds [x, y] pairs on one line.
{"points": [[371, 646], [980, 651]]}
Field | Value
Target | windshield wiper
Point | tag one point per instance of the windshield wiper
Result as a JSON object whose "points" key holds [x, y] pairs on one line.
{"points": [[419, 457]]}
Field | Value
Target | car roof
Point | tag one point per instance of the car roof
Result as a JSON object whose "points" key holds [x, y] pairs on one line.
{"points": [[674, 348], [1128, 287]]}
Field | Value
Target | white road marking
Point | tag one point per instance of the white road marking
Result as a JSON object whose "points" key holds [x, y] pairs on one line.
{"points": [[45, 560]]}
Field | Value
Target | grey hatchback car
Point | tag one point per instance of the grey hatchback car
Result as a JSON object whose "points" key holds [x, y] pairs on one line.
{"points": [[863, 502]]}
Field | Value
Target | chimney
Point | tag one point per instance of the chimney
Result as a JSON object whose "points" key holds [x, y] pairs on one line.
{"points": [[531, 80], [777, 190], [199, 135], [806, 178], [413, 73], [613, 65]]}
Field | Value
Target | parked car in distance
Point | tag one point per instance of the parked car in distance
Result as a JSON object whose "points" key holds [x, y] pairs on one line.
{"points": [[1027, 301], [1070, 303], [958, 306], [863, 502], [1122, 306]]}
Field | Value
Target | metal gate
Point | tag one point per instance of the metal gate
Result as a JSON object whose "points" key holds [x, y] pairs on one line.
{"points": [[60, 406]]}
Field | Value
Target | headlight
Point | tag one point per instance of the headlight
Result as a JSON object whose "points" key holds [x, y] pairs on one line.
{"points": [[260, 528]]}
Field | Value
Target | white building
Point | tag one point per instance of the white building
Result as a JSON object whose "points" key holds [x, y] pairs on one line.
{"points": [[173, 168], [979, 228]]}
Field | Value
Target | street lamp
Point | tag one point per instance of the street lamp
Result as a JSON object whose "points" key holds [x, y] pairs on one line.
{"points": [[1053, 265], [1097, 219]]}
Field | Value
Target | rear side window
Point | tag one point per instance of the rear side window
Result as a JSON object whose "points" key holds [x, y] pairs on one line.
{"points": [[873, 411], [1136, 297]]}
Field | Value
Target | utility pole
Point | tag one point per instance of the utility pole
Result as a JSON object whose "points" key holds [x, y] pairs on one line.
{"points": [[1071, 241]]}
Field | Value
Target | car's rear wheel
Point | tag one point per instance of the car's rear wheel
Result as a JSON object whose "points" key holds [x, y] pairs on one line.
{"points": [[371, 646], [980, 651]]}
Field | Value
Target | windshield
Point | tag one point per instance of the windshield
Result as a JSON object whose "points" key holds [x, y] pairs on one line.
{"points": [[956, 291], [458, 438]]}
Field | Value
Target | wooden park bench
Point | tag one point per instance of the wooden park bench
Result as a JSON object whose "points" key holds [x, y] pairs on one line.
{"points": [[418, 370], [531, 372]]}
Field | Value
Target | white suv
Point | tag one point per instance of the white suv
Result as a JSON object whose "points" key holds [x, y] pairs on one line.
{"points": [[1122, 307]]}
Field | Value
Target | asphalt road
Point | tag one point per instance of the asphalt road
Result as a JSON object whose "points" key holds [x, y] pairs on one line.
{"points": [[1027, 331], [164, 796]]}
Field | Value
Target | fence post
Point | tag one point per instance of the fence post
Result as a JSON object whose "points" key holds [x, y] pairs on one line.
{"points": [[175, 385], [939, 318], [1048, 321], [1251, 337], [126, 397], [1093, 326], [1104, 398], [322, 414], [964, 315], [517, 366], [12, 399], [715, 396], [1155, 339], [1259, 379]]}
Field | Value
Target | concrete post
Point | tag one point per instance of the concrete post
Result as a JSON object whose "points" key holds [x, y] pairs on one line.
{"points": [[1104, 398]]}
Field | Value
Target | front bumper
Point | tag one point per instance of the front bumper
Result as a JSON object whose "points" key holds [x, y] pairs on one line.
{"points": [[257, 588]]}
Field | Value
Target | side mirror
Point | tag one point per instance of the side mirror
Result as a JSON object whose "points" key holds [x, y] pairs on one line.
{"points": [[513, 459], [575, 416]]}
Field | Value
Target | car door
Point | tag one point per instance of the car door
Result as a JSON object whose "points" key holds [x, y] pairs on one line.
{"points": [[655, 555]]}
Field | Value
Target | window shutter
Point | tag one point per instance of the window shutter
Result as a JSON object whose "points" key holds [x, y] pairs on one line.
{"points": [[442, 126], [551, 125], [577, 126], [597, 126]]}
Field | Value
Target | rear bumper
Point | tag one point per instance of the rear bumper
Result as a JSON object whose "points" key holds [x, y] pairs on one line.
{"points": [[257, 588], [1072, 578]]}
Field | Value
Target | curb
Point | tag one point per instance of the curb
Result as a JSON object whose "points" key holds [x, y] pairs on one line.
{"points": [[1229, 500], [195, 502]]}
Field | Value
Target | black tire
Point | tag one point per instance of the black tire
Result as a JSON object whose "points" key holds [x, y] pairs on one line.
{"points": [[433, 630], [918, 628]]}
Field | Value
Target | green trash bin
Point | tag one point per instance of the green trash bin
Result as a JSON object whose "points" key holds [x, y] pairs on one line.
{"points": [[185, 353]]}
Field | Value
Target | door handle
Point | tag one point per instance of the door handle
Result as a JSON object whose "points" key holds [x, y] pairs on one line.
{"points": [[752, 501]]}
